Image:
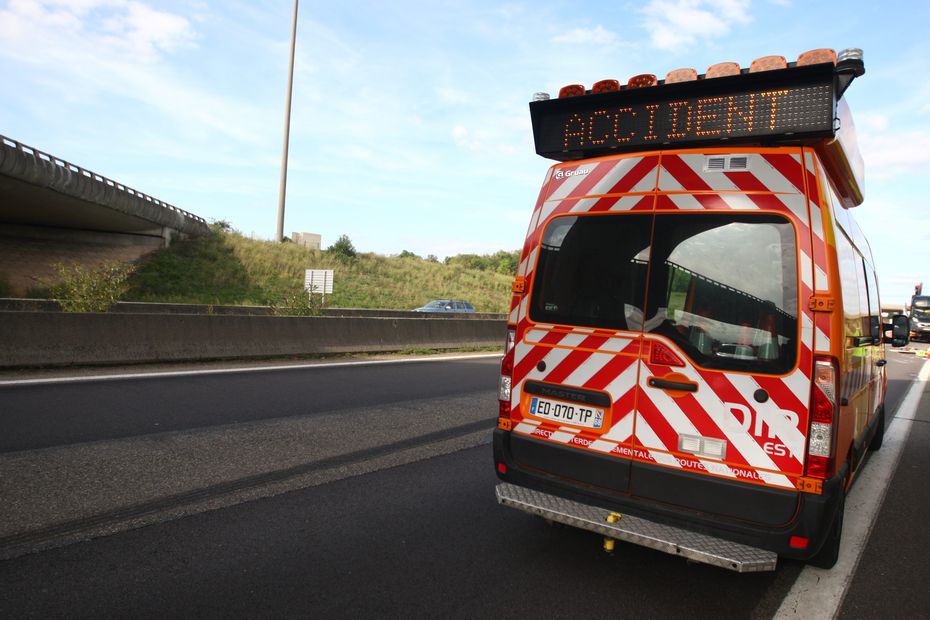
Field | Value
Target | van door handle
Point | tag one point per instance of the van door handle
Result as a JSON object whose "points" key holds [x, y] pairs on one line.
{"points": [[665, 384]]}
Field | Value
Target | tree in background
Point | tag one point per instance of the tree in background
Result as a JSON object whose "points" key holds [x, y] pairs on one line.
{"points": [[343, 247], [501, 261]]}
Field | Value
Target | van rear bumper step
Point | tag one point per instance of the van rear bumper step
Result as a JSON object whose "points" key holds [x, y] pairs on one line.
{"points": [[676, 541]]}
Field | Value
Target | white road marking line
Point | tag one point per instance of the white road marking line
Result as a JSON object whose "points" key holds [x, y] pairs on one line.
{"points": [[221, 371], [819, 593]]}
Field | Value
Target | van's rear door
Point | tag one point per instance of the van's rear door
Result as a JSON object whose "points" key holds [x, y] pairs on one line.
{"points": [[576, 359], [727, 394]]}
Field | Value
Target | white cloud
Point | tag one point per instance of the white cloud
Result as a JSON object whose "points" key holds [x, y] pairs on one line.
{"points": [[895, 153], [144, 31], [125, 28], [674, 24], [873, 121], [587, 36], [454, 96], [464, 139], [118, 49]]}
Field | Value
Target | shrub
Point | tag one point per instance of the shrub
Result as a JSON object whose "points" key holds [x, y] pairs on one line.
{"points": [[90, 290], [298, 303], [502, 262], [343, 247]]}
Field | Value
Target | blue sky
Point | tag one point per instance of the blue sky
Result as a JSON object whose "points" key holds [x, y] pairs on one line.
{"points": [[410, 127]]}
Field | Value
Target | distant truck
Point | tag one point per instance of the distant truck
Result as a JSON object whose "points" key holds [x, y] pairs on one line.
{"points": [[919, 316]]}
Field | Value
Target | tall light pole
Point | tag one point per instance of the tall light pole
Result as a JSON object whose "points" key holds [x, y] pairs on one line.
{"points": [[282, 190]]}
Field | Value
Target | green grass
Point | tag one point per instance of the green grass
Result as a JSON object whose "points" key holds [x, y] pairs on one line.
{"points": [[231, 269]]}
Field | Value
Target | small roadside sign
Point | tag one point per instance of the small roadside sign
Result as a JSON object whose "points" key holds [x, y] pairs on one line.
{"points": [[319, 281]]}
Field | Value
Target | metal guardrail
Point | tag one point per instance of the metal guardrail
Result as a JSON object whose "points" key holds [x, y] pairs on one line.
{"points": [[29, 150]]}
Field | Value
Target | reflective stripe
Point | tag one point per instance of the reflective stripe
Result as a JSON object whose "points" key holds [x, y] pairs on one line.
{"points": [[600, 360]]}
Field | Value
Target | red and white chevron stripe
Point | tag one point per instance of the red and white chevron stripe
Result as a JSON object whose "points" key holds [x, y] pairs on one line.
{"points": [[645, 423]]}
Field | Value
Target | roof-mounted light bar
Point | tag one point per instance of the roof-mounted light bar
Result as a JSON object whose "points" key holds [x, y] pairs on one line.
{"points": [[848, 61]]}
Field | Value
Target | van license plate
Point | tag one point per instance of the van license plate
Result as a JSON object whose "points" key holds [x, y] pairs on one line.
{"points": [[578, 415]]}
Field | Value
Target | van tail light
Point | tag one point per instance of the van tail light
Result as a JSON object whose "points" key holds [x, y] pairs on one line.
{"points": [[821, 437], [505, 379]]}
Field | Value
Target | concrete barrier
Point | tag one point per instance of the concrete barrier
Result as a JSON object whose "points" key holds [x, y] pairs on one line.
{"points": [[48, 305], [31, 339]]}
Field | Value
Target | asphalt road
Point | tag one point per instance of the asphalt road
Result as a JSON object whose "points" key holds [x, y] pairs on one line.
{"points": [[892, 576], [40, 416], [398, 521]]}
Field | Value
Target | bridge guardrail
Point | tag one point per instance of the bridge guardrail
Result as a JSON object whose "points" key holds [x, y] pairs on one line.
{"points": [[8, 166]]}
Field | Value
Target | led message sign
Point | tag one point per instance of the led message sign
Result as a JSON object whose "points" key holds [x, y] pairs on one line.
{"points": [[786, 104]]}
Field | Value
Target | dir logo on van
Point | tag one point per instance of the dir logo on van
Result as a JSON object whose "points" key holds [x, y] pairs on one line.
{"points": [[564, 174]]}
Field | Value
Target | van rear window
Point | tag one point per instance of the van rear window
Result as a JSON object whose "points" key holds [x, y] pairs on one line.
{"points": [[723, 287]]}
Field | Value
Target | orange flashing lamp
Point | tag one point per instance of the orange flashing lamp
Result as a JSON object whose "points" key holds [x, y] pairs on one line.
{"points": [[605, 86], [572, 90], [681, 75], [722, 69], [768, 63], [815, 57], [642, 80]]}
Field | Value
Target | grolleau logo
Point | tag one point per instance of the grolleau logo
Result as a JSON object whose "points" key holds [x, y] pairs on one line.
{"points": [[564, 174]]}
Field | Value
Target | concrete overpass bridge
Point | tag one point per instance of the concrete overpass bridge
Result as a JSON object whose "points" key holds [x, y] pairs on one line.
{"points": [[53, 211]]}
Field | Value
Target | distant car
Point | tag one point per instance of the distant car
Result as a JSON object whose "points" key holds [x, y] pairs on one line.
{"points": [[446, 305]]}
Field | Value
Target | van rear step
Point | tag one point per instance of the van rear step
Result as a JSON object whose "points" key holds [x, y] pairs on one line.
{"points": [[673, 540]]}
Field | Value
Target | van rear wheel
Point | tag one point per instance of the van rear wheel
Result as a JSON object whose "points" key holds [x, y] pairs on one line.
{"points": [[830, 552]]}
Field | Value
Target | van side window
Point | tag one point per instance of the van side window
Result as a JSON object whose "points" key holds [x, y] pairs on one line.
{"points": [[852, 283], [724, 288], [875, 312]]}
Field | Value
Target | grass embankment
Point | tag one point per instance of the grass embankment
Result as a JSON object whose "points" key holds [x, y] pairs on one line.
{"points": [[229, 268]]}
